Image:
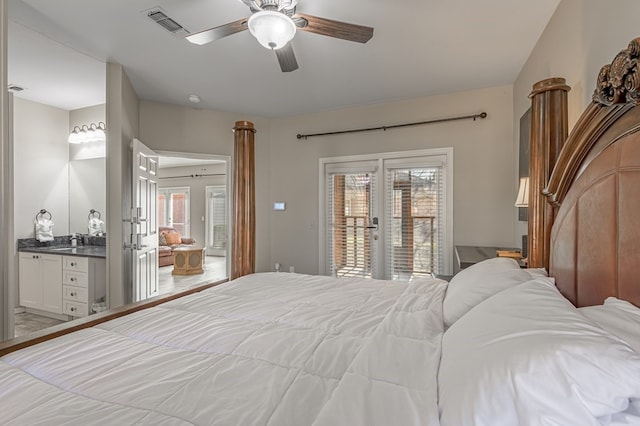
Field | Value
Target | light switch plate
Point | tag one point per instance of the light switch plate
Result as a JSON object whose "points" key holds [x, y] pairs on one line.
{"points": [[279, 206]]}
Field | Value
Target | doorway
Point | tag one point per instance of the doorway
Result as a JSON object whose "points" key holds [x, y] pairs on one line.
{"points": [[192, 201]]}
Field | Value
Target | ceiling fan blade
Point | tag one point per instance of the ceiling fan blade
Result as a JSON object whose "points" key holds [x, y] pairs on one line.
{"points": [[331, 28], [207, 36], [287, 58]]}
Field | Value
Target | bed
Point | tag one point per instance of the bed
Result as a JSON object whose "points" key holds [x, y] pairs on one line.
{"points": [[498, 345]]}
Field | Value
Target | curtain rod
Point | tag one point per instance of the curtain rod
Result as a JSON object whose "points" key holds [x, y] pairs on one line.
{"points": [[395, 126], [193, 176]]}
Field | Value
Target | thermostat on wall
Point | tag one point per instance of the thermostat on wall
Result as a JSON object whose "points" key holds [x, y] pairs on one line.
{"points": [[279, 206]]}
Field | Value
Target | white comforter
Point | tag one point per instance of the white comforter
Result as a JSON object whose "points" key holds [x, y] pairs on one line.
{"points": [[266, 349]]}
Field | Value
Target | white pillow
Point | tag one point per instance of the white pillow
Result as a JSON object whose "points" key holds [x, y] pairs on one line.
{"points": [[526, 356], [618, 317], [479, 282]]}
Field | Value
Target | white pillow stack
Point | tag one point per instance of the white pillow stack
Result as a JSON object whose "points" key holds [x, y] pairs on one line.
{"points": [[479, 282], [526, 356], [618, 317]]}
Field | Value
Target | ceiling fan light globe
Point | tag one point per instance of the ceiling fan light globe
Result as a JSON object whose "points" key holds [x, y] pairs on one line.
{"points": [[272, 29]]}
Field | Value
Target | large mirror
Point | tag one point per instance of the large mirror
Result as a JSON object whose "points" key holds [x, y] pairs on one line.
{"points": [[87, 174], [54, 89]]}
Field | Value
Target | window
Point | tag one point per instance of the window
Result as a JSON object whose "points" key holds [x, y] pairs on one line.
{"points": [[173, 209]]}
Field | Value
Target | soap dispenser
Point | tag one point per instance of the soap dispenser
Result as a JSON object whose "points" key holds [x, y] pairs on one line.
{"points": [[74, 240]]}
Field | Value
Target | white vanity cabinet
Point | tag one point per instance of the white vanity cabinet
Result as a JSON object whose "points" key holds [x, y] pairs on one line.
{"points": [[41, 281], [83, 283]]}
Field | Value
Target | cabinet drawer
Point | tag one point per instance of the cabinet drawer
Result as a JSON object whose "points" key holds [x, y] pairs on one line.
{"points": [[75, 309], [75, 263], [79, 279], [77, 294]]}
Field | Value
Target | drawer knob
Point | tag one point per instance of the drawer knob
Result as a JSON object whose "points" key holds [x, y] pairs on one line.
{"points": [[73, 309], [73, 264], [73, 279], [73, 293]]}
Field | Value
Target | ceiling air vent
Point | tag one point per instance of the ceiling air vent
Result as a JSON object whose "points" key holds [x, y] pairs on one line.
{"points": [[15, 88], [161, 18]]}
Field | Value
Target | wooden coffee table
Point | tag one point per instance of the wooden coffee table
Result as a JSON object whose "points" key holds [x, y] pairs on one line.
{"points": [[187, 260]]}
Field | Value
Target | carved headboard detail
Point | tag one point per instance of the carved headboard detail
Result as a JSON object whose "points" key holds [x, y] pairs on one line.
{"points": [[619, 82], [595, 191]]}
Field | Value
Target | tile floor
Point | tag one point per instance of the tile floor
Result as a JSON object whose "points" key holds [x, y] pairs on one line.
{"points": [[215, 269], [25, 323]]}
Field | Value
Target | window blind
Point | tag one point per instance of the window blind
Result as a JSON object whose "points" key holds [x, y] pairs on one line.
{"points": [[414, 215], [350, 201]]}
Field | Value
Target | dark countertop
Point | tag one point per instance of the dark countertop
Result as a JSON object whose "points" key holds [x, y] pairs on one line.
{"points": [[83, 251]]}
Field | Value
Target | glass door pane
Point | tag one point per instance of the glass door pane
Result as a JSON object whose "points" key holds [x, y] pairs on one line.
{"points": [[413, 203], [350, 229]]}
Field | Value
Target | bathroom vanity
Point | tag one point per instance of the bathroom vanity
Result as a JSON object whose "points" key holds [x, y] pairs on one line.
{"points": [[60, 281]]}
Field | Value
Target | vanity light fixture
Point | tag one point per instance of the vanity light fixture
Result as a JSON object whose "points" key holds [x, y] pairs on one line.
{"points": [[88, 133]]}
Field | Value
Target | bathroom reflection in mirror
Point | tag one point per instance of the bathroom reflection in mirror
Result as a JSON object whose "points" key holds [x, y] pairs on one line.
{"points": [[95, 224], [87, 175]]}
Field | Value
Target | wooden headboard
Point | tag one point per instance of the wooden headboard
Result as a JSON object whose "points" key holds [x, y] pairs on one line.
{"points": [[595, 192]]}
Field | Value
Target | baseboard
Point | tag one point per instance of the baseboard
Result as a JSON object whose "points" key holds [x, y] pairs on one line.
{"points": [[60, 317], [19, 310]]}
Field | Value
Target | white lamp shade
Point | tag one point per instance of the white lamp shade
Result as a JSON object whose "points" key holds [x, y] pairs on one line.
{"points": [[272, 29], [522, 200]]}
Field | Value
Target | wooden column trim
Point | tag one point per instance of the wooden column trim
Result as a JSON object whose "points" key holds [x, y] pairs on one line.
{"points": [[549, 129], [243, 249]]}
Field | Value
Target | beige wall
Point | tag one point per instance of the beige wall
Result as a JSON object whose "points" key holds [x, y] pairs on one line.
{"points": [[122, 127], [581, 37], [172, 128], [484, 179]]}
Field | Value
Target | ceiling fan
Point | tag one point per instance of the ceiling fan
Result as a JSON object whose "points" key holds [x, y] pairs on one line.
{"points": [[274, 23]]}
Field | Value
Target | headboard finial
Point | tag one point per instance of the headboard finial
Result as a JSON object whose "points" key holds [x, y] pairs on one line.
{"points": [[619, 82]]}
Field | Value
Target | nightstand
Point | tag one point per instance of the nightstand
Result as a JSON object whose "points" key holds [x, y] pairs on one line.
{"points": [[470, 255]]}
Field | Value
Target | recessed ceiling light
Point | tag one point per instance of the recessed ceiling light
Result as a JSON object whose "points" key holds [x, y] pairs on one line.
{"points": [[194, 99]]}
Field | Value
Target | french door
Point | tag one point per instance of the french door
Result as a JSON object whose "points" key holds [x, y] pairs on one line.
{"points": [[144, 236], [350, 217], [387, 215]]}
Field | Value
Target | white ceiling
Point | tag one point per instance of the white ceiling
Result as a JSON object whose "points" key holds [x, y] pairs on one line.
{"points": [[419, 48]]}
